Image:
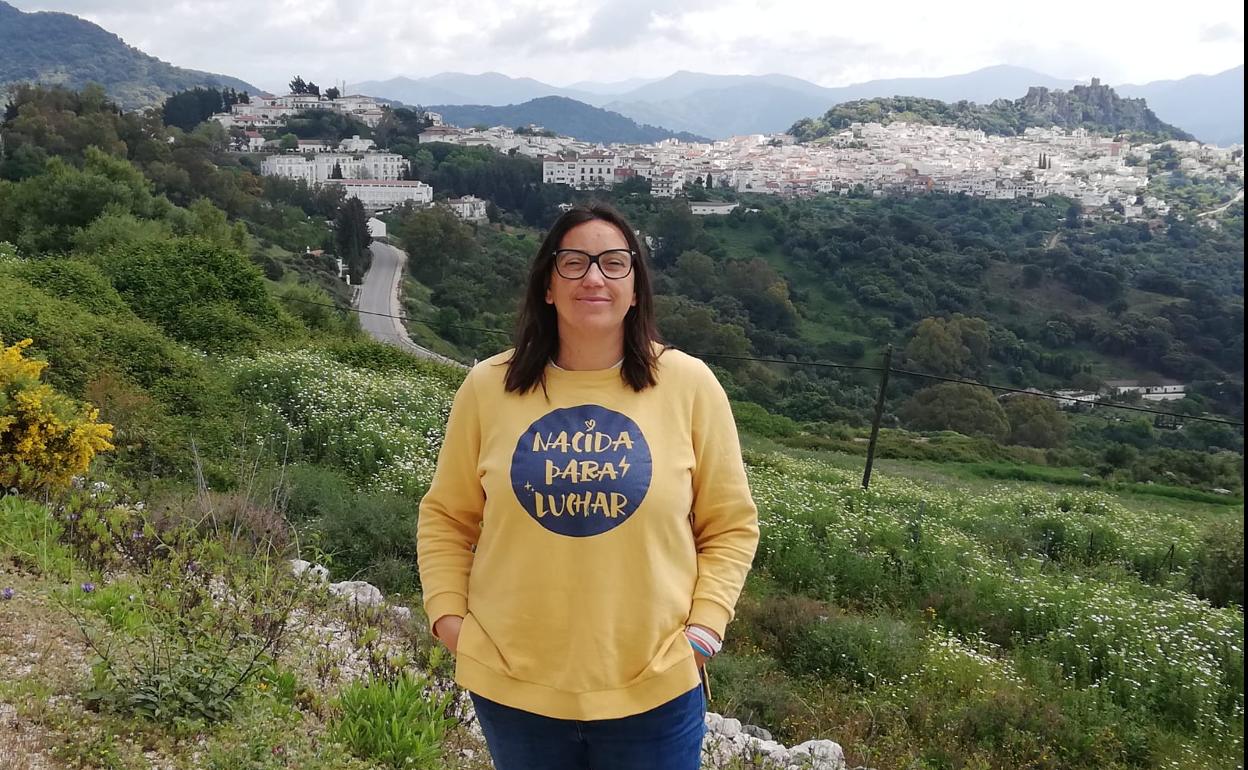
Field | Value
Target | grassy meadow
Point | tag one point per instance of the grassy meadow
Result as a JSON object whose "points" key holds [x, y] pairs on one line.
{"points": [[939, 620]]}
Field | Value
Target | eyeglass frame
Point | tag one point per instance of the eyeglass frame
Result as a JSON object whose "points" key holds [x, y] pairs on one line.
{"points": [[593, 260]]}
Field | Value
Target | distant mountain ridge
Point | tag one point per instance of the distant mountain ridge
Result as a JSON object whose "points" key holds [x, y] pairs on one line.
{"points": [[1096, 108], [61, 49], [1209, 106], [564, 116], [717, 106]]}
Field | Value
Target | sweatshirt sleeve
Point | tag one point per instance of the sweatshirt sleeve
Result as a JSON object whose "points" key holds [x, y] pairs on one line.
{"points": [[449, 522], [725, 519]]}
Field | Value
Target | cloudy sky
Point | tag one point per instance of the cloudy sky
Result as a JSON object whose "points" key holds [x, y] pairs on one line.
{"points": [[564, 41]]}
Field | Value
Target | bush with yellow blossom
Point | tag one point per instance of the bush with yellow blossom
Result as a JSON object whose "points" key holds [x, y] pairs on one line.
{"points": [[46, 437]]}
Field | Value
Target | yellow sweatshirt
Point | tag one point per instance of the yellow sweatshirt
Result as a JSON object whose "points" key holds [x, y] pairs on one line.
{"points": [[578, 534]]}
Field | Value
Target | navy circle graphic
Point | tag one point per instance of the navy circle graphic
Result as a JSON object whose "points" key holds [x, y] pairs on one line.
{"points": [[581, 471]]}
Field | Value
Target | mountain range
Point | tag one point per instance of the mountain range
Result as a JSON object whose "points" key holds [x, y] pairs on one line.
{"points": [[564, 116], [58, 48], [61, 49], [1208, 106]]}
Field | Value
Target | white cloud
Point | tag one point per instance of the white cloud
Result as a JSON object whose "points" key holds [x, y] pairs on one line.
{"points": [[562, 41]]}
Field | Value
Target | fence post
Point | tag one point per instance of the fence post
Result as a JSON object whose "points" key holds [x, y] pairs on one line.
{"points": [[875, 422]]}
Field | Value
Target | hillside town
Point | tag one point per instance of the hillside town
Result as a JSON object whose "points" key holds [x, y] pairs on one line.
{"points": [[899, 158]]}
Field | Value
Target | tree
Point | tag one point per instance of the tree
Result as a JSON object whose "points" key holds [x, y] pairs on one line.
{"points": [[434, 239], [297, 86], [967, 409], [1073, 212], [188, 109], [696, 275], [1036, 422], [289, 142], [937, 348], [678, 230], [313, 89], [351, 238], [332, 93], [974, 334], [336, 172], [692, 326]]}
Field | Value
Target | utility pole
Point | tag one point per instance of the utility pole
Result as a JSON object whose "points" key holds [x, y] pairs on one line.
{"points": [[875, 422]]}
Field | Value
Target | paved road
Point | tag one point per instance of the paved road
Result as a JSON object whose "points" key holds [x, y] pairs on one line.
{"points": [[1239, 196], [380, 294]]}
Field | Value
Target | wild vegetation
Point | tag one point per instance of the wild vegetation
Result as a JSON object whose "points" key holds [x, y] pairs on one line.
{"points": [[984, 605]]}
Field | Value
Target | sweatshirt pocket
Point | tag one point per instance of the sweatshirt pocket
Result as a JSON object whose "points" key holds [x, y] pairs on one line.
{"points": [[572, 662]]}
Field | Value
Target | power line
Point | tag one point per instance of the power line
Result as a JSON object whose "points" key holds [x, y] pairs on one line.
{"points": [[830, 365], [397, 317]]}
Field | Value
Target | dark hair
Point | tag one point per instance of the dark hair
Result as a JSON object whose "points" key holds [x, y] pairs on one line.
{"points": [[537, 328]]}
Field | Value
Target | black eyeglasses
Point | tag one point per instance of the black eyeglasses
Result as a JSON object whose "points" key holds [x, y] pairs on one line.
{"points": [[574, 264]]}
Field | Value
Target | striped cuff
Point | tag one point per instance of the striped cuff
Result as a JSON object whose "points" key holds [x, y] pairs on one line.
{"points": [[700, 649], [703, 641]]}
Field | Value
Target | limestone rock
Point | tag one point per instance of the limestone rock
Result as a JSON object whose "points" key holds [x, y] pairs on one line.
{"points": [[357, 592]]}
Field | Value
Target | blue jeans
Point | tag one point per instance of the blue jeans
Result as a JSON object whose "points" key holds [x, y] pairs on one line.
{"points": [[667, 737]]}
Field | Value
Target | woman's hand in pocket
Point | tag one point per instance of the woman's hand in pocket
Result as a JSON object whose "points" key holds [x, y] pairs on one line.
{"points": [[446, 629]]}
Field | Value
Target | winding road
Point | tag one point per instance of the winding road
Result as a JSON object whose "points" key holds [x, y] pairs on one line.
{"points": [[1239, 196], [379, 306]]}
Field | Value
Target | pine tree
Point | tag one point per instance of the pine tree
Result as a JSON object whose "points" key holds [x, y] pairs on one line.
{"points": [[351, 238], [297, 86], [336, 173]]}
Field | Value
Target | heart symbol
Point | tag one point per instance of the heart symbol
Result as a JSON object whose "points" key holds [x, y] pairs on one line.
{"points": [[589, 424]]}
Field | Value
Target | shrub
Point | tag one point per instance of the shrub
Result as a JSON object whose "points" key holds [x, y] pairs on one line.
{"points": [[363, 532], [30, 538], [46, 438], [202, 625], [867, 651], [752, 418], [1218, 571], [198, 291], [395, 724]]}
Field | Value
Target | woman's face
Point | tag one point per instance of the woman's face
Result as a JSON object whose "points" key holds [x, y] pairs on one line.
{"points": [[592, 303]]}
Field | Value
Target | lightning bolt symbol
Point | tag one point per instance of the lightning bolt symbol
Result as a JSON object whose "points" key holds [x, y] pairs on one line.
{"points": [[624, 466]]}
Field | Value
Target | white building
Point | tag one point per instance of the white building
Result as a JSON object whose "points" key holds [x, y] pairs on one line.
{"points": [[356, 144], [437, 133], [557, 169], [377, 194], [255, 141], [596, 170], [1075, 399], [319, 167], [262, 111], [376, 228], [587, 171], [468, 208], [666, 184], [715, 208], [1168, 390]]}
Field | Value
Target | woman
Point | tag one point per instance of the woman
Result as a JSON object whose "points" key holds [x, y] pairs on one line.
{"points": [[589, 526]]}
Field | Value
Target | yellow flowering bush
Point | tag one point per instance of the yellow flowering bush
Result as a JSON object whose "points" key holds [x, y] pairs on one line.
{"points": [[46, 438]]}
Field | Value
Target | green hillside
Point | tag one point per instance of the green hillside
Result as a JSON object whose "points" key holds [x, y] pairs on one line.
{"points": [[1096, 108], [60, 49]]}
